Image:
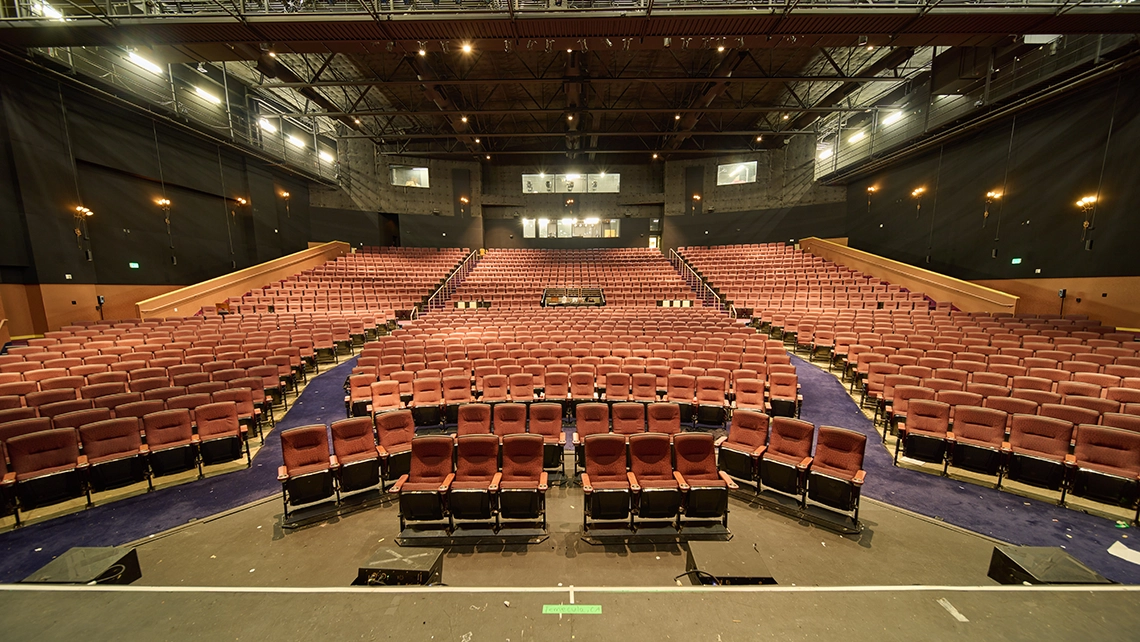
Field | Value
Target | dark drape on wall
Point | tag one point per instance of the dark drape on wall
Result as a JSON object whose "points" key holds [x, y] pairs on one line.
{"points": [[1042, 161], [757, 226], [60, 148]]}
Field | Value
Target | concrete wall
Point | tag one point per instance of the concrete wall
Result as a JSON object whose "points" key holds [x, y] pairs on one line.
{"points": [[784, 178], [366, 184]]}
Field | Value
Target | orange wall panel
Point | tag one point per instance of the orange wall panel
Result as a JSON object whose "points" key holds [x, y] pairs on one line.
{"points": [[1120, 308]]}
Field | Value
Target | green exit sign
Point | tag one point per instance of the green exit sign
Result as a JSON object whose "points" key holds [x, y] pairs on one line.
{"points": [[135, 266], [1015, 261]]}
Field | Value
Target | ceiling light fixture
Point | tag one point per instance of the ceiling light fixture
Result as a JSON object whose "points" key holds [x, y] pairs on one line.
{"points": [[325, 156], [266, 125], [759, 139], [825, 154], [893, 118], [466, 48], [857, 136], [476, 140], [294, 141], [720, 49], [144, 63], [655, 157], [207, 95], [488, 157], [464, 119], [676, 116]]}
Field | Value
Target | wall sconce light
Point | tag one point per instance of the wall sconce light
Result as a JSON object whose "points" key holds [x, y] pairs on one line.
{"points": [[917, 194], [870, 192], [1087, 204], [285, 195], [990, 198], [241, 201], [81, 215], [696, 197]]}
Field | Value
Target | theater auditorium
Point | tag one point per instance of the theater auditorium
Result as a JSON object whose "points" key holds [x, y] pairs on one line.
{"points": [[569, 319]]}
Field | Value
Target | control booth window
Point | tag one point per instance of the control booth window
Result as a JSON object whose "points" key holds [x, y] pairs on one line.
{"points": [[565, 228], [600, 183], [734, 173], [407, 176]]}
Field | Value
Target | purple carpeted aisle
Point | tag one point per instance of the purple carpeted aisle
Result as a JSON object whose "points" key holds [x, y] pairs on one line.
{"points": [[999, 514], [27, 549]]}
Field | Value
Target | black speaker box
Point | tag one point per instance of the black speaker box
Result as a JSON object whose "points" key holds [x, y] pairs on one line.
{"points": [[90, 565], [402, 566], [725, 563], [1040, 565]]}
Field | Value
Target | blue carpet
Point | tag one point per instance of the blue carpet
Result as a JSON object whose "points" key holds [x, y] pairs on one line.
{"points": [[26, 549], [1002, 515]]}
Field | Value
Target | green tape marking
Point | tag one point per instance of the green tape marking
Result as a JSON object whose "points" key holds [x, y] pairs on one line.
{"points": [[576, 609]]}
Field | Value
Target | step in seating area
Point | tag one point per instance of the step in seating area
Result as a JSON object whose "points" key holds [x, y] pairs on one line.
{"points": [[387, 282], [516, 278], [697, 358]]}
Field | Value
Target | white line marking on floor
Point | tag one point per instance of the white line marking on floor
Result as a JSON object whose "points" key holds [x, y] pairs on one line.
{"points": [[1123, 552], [1058, 588], [955, 613], [571, 593]]}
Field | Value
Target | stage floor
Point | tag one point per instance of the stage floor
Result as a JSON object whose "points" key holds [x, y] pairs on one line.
{"points": [[241, 576]]}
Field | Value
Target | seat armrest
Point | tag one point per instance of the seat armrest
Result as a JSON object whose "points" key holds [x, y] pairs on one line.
{"points": [[720, 440], [195, 439], [543, 481], [1071, 460], [586, 486], [759, 452], [1006, 448], [728, 480], [446, 485], [399, 484], [495, 481], [680, 480], [334, 463], [81, 461], [282, 473], [383, 452], [561, 438], [859, 476], [347, 398], [633, 482], [950, 437], [804, 464], [575, 437], [144, 449]]}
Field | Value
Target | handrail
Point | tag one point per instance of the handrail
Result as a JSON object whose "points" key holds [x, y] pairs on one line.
{"points": [[681, 262], [465, 266], [239, 282], [913, 273]]}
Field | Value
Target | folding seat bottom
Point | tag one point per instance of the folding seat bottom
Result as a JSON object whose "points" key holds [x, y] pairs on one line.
{"points": [[50, 489], [737, 464], [116, 473], [359, 475], [976, 458], [1036, 471], [306, 489], [1109, 489], [707, 502]]}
